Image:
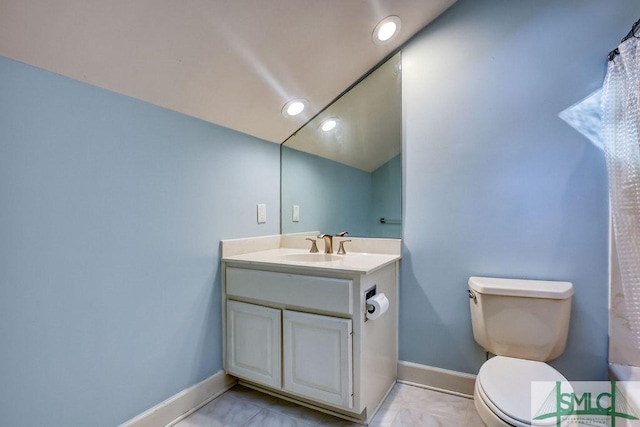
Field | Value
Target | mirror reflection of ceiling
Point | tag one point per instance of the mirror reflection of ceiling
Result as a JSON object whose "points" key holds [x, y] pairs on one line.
{"points": [[233, 63], [368, 131]]}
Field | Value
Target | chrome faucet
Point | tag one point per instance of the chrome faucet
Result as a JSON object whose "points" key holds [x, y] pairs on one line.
{"points": [[328, 243]]}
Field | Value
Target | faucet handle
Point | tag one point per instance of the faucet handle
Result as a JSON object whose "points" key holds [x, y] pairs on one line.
{"points": [[341, 250], [314, 246], [342, 234]]}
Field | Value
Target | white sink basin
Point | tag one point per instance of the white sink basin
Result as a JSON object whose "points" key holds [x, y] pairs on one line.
{"points": [[311, 257]]}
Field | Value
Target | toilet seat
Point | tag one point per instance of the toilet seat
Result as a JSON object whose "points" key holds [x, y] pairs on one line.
{"points": [[490, 414], [504, 385]]}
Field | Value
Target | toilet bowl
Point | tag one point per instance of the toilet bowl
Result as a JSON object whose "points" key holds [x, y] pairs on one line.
{"points": [[502, 394], [524, 323]]}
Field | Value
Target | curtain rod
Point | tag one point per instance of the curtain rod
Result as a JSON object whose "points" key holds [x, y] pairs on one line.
{"points": [[615, 52]]}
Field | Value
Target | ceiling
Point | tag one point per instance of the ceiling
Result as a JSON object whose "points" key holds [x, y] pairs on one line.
{"points": [[230, 62]]}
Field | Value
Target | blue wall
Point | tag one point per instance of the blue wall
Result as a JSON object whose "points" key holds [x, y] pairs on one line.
{"points": [[333, 197], [496, 184], [386, 184], [111, 213]]}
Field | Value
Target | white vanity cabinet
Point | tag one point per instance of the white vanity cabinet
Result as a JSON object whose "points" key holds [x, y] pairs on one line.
{"points": [[317, 357], [301, 333], [254, 343], [315, 352]]}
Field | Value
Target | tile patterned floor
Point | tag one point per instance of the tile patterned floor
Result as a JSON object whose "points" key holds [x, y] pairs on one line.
{"points": [[406, 406]]}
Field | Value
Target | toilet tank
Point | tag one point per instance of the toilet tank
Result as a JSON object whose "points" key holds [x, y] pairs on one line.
{"points": [[526, 319]]}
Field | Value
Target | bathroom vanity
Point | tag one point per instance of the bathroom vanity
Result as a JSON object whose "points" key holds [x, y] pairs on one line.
{"points": [[295, 322]]}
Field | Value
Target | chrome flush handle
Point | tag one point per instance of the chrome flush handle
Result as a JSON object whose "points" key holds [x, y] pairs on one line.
{"points": [[472, 296]]}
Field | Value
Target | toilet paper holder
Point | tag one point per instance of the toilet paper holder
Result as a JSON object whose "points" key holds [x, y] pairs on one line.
{"points": [[368, 294], [376, 304]]}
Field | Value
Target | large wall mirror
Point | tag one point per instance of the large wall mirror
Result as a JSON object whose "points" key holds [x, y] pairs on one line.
{"points": [[342, 171]]}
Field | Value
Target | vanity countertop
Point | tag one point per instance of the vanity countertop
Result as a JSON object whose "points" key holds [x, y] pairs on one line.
{"points": [[352, 262]]}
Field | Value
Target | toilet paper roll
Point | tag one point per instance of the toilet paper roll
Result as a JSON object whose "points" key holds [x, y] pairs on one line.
{"points": [[376, 306]]}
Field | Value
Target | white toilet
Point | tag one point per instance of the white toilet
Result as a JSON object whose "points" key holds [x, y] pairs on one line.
{"points": [[524, 323]]}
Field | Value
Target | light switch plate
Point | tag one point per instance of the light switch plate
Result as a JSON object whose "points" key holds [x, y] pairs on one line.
{"points": [[295, 216], [262, 213]]}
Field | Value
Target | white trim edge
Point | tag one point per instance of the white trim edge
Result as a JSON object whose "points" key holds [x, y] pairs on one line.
{"points": [[183, 403], [439, 379]]}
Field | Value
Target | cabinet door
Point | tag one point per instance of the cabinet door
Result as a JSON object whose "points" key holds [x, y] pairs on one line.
{"points": [[253, 348], [318, 357]]}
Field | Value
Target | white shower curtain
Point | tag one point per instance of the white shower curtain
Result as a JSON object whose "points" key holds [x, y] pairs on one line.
{"points": [[621, 141]]}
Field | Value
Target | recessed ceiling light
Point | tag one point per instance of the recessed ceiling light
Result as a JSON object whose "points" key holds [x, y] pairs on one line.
{"points": [[386, 30], [294, 107], [329, 124]]}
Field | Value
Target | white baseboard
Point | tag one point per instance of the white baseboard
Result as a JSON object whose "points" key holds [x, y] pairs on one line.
{"points": [[436, 378], [184, 403]]}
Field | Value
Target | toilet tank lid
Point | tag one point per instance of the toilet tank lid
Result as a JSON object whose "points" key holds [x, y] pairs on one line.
{"points": [[521, 288]]}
